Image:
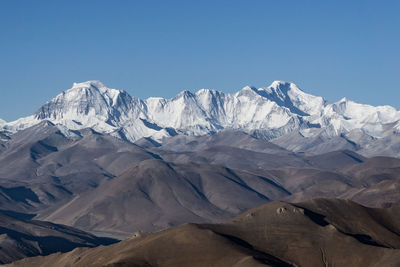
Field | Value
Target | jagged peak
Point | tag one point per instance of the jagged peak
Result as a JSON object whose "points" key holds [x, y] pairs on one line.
{"points": [[184, 94], [207, 91], [289, 95], [343, 100], [278, 83], [249, 88], [248, 91], [281, 89]]}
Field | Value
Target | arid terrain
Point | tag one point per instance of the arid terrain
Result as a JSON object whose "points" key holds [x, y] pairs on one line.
{"points": [[321, 232]]}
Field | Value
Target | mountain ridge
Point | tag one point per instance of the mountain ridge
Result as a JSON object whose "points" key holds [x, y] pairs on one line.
{"points": [[275, 234], [269, 113]]}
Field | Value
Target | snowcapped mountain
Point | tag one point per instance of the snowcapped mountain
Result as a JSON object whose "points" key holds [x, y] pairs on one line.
{"points": [[270, 112], [92, 105]]}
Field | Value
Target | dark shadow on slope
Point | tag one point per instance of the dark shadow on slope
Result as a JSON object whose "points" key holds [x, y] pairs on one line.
{"points": [[257, 254], [151, 125], [320, 220], [367, 240], [52, 244], [18, 215], [315, 217], [20, 193]]}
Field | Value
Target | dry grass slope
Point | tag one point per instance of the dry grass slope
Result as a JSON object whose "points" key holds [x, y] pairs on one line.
{"points": [[322, 232]]}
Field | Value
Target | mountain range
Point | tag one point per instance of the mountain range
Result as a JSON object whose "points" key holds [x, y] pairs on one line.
{"points": [[96, 159], [281, 112], [103, 184]]}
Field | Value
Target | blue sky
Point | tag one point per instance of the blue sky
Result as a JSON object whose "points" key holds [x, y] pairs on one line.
{"points": [[158, 48]]}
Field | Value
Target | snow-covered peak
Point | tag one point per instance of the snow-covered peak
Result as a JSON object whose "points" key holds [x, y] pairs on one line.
{"points": [[95, 88], [365, 113], [205, 91], [185, 94], [2, 122], [92, 104], [289, 95], [248, 92], [91, 99], [208, 94], [281, 89], [247, 88]]}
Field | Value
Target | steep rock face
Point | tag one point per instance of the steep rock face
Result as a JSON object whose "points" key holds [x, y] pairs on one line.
{"points": [[270, 112]]}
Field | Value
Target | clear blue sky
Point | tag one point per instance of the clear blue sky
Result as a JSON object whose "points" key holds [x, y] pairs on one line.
{"points": [[158, 48]]}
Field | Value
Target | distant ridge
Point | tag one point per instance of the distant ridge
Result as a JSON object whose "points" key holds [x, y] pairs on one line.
{"points": [[279, 110]]}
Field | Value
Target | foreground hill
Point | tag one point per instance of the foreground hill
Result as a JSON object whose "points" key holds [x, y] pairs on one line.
{"points": [[20, 238], [322, 232]]}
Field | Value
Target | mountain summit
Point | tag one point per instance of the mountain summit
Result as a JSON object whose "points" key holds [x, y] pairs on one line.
{"points": [[289, 95], [88, 104], [86, 101], [269, 112]]}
